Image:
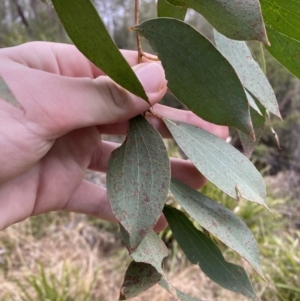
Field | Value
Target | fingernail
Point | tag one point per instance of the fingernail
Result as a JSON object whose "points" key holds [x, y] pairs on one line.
{"points": [[152, 76]]}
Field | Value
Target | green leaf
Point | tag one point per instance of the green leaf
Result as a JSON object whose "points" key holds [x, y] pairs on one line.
{"points": [[201, 250], [151, 250], [249, 72], [238, 20], [198, 75], [258, 121], [180, 295], [138, 180], [6, 94], [138, 278], [219, 162], [283, 27], [87, 31], [219, 221], [252, 103], [165, 9]]}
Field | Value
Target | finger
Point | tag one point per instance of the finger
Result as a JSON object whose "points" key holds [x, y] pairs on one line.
{"points": [[55, 105], [186, 172], [186, 117], [182, 170], [61, 59], [172, 113], [92, 200]]}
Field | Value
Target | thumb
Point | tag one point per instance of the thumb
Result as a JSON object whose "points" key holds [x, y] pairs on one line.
{"points": [[151, 76], [121, 105], [59, 104], [102, 101]]}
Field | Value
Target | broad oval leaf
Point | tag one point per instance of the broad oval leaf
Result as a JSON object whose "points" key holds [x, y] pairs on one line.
{"points": [[197, 73], [138, 278], [87, 31], [151, 250], [219, 221], [138, 180], [219, 162], [283, 27], [201, 250], [238, 20], [165, 9], [249, 72]]}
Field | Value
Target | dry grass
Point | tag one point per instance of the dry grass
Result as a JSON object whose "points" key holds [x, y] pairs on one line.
{"points": [[93, 258], [83, 259], [88, 254]]}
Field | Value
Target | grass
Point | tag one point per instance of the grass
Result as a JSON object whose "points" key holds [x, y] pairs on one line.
{"points": [[277, 240], [70, 257], [67, 286]]}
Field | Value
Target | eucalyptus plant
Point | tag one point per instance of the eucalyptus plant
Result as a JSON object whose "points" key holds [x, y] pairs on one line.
{"points": [[220, 82]]}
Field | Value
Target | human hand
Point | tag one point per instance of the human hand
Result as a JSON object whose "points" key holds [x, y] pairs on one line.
{"points": [[66, 104]]}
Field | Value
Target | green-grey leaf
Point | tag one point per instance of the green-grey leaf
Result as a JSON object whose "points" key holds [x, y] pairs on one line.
{"points": [[151, 250], [249, 72], [258, 121], [180, 295], [219, 162], [87, 31], [283, 27], [138, 180], [165, 9], [252, 103], [238, 20], [219, 221], [198, 75], [138, 278], [6, 94], [201, 250]]}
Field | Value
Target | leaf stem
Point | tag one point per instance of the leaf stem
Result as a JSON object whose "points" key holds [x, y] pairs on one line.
{"points": [[155, 114], [148, 57]]}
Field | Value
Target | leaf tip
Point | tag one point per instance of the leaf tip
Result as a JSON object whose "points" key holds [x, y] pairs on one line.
{"points": [[276, 113], [264, 37], [122, 296], [252, 133], [266, 41]]}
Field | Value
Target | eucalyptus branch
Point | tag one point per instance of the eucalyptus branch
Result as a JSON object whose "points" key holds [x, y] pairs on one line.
{"points": [[138, 39], [149, 57]]}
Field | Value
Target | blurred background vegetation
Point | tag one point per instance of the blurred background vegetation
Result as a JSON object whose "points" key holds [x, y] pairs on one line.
{"points": [[68, 257]]}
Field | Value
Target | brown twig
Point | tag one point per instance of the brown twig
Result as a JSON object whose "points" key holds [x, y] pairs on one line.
{"points": [[138, 39], [150, 111], [148, 57]]}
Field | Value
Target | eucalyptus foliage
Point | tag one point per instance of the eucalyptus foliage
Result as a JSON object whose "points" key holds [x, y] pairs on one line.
{"points": [[220, 82]]}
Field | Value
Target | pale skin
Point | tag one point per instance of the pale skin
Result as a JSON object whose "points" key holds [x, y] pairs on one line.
{"points": [[66, 103]]}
